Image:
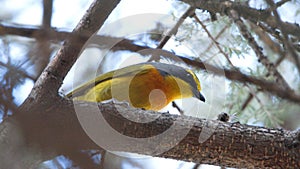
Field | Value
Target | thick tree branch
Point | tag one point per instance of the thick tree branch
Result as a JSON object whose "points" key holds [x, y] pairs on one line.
{"points": [[223, 143], [52, 77], [43, 96], [48, 125]]}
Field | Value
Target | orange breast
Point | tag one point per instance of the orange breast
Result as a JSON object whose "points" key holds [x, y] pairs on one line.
{"points": [[149, 91]]}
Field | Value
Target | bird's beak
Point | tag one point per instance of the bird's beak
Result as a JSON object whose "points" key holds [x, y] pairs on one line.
{"points": [[201, 97]]}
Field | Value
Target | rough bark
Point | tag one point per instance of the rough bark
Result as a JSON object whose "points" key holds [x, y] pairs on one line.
{"points": [[24, 138], [55, 130]]}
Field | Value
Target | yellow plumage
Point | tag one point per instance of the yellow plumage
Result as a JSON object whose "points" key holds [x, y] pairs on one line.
{"points": [[151, 86]]}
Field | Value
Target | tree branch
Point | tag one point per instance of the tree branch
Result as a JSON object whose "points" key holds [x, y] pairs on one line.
{"points": [[213, 40], [125, 44], [255, 15], [285, 37], [43, 95], [40, 54], [52, 77], [226, 144], [258, 50], [173, 31], [47, 13]]}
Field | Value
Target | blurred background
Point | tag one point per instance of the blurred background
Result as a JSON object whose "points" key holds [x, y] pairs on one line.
{"points": [[23, 57]]}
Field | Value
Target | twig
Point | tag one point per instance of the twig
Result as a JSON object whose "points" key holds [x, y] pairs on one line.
{"points": [[128, 45], [272, 45], [58, 35], [214, 40], [47, 13], [172, 32], [275, 47], [247, 102], [285, 37], [19, 71], [258, 50], [227, 57], [42, 51], [178, 108], [217, 37], [280, 3], [252, 14], [8, 105]]}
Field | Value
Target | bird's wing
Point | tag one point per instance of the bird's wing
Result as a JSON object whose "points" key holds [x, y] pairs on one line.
{"points": [[130, 71]]}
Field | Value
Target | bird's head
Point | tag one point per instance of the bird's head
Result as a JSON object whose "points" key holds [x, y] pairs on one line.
{"points": [[196, 86], [185, 79]]}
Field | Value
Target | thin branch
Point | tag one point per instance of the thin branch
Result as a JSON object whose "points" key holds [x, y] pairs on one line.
{"points": [[103, 155], [258, 50], [57, 35], [19, 71], [8, 105], [280, 3], [252, 14], [243, 78], [196, 166], [47, 13], [125, 44], [40, 54], [172, 32], [263, 36], [285, 37], [273, 46], [247, 101], [214, 40]]}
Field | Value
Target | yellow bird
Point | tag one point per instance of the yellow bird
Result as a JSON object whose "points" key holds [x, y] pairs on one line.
{"points": [[150, 86]]}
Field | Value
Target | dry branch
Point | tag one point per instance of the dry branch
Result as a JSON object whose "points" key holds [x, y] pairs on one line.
{"points": [[254, 15], [172, 32], [258, 50], [18, 131], [52, 77], [125, 44], [285, 36], [227, 144], [254, 146]]}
